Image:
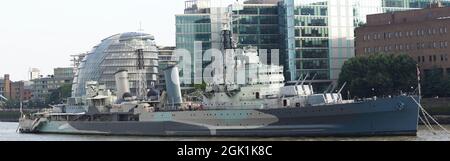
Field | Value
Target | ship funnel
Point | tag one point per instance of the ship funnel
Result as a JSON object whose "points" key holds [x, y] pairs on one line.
{"points": [[122, 84], [173, 86]]}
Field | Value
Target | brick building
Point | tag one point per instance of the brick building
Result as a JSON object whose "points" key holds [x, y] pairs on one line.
{"points": [[422, 34], [5, 86]]}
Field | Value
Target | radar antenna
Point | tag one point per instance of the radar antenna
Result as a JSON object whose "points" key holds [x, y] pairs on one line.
{"points": [[142, 79], [140, 27]]}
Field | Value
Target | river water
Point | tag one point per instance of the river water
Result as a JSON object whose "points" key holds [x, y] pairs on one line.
{"points": [[8, 133]]}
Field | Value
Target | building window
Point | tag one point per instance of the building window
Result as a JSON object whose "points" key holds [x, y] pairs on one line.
{"points": [[431, 58], [418, 59], [434, 58], [423, 58], [442, 57]]}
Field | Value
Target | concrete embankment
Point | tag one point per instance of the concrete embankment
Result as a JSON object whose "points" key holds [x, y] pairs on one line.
{"points": [[439, 108], [9, 116], [12, 115]]}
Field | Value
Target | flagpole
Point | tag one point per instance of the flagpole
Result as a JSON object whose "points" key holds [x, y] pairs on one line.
{"points": [[419, 86]]}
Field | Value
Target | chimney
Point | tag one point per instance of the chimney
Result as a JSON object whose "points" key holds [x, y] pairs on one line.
{"points": [[122, 83]]}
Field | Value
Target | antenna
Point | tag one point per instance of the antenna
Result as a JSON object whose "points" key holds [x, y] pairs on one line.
{"points": [[342, 88], [140, 27], [314, 77]]}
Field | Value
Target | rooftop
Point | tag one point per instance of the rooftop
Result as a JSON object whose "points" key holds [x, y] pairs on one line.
{"points": [[410, 16]]}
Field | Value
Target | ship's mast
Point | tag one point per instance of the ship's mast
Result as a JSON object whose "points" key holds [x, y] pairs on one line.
{"points": [[142, 79], [419, 86]]}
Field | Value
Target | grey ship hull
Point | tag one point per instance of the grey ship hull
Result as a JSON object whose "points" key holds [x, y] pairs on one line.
{"points": [[395, 116]]}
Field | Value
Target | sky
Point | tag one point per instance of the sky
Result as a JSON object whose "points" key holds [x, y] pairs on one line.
{"points": [[44, 33]]}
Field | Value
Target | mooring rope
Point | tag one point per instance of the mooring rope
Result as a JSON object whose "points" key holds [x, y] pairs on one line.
{"points": [[429, 126], [431, 117], [427, 121]]}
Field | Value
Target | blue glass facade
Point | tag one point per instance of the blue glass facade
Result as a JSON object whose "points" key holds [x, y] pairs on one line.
{"points": [[257, 25], [193, 30], [398, 5], [318, 35]]}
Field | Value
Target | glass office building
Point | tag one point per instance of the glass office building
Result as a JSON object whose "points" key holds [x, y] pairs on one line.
{"points": [[198, 30], [399, 5], [318, 38], [256, 25], [193, 31], [114, 53], [314, 36], [318, 35]]}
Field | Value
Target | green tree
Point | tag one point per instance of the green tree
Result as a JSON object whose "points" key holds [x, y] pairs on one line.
{"points": [[60, 94], [200, 86], [435, 84], [379, 75], [12, 104]]}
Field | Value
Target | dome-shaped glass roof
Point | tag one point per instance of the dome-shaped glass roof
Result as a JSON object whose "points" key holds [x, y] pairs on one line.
{"points": [[114, 53]]}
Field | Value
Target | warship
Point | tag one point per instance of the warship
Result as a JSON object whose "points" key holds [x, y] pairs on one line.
{"points": [[263, 106]]}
